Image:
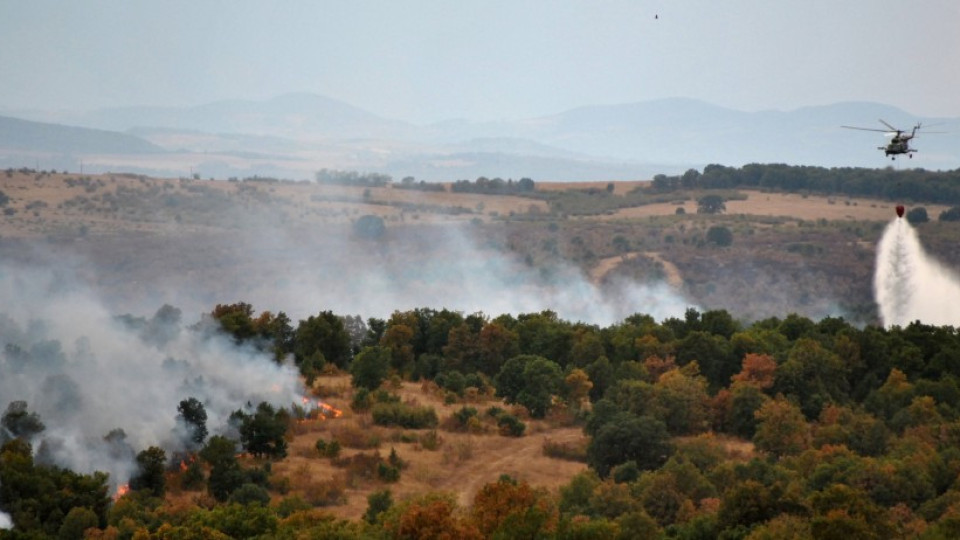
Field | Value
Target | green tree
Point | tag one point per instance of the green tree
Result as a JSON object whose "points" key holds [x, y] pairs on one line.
{"points": [[225, 473], [78, 520], [19, 422], [627, 437], [262, 433], [781, 428], [370, 227], [370, 367], [194, 417], [150, 477], [814, 376], [378, 502], [711, 204], [531, 381], [324, 333]]}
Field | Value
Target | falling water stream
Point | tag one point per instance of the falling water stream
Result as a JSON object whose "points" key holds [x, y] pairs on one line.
{"points": [[910, 285]]}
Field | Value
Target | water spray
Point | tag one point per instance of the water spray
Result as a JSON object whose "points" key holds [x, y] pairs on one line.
{"points": [[910, 285]]}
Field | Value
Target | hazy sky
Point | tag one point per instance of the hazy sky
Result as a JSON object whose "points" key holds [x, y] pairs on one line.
{"points": [[482, 60]]}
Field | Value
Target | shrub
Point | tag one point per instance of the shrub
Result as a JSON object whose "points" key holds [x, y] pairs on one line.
{"points": [[431, 440], [918, 215], [328, 449], [388, 473], [952, 214], [570, 451], [510, 426], [404, 415], [720, 236]]}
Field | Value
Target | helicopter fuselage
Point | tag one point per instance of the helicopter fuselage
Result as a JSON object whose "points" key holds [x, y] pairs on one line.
{"points": [[899, 145]]}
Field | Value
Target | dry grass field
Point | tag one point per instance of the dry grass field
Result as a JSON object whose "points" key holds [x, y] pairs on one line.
{"points": [[460, 462], [57, 204]]}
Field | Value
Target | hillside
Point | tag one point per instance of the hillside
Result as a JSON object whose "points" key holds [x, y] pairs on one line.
{"points": [[592, 283], [26, 136], [804, 253]]}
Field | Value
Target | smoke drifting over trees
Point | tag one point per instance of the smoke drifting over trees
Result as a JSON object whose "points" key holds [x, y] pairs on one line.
{"points": [[106, 387]]}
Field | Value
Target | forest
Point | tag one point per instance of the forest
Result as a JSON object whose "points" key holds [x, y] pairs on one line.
{"points": [[696, 427]]}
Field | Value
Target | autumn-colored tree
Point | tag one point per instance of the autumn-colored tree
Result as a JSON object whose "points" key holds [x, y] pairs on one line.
{"points": [[507, 507], [856, 429], [782, 428], [398, 339], [682, 396], [497, 345], [430, 517], [462, 350], [657, 366], [577, 385], [758, 370], [648, 346]]}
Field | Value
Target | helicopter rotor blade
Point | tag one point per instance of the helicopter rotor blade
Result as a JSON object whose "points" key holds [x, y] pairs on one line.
{"points": [[888, 125], [867, 129]]}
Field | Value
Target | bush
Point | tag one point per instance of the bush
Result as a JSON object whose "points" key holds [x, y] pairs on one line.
{"points": [[328, 449], [720, 236], [404, 415], [511, 426], [952, 214], [917, 215], [388, 473], [570, 451]]}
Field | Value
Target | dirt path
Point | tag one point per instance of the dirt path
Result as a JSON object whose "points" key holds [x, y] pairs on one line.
{"points": [[605, 266], [521, 458]]}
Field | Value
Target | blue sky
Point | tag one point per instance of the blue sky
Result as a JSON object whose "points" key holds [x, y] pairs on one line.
{"points": [[425, 61]]}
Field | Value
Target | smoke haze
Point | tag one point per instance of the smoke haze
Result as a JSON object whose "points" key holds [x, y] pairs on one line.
{"points": [[910, 285], [87, 373]]}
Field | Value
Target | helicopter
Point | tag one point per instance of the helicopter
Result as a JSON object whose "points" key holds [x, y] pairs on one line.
{"points": [[899, 139]]}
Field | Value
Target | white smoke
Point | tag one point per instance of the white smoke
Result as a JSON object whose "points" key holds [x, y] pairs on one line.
{"points": [[446, 268], [5, 521], [89, 373], [909, 285], [86, 373]]}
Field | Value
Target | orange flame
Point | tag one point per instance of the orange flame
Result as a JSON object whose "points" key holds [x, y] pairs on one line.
{"points": [[322, 410], [122, 490], [329, 410]]}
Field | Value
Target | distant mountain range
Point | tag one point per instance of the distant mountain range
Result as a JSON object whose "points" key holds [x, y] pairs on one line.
{"points": [[296, 134], [17, 134]]}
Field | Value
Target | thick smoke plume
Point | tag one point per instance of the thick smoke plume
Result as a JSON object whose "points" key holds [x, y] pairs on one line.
{"points": [[87, 373], [909, 285]]}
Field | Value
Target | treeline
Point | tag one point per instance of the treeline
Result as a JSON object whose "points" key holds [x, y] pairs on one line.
{"points": [[699, 427], [494, 186], [352, 178], [916, 185]]}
